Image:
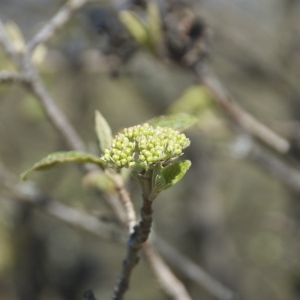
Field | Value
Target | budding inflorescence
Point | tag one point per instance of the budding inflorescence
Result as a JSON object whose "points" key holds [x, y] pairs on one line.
{"points": [[144, 146]]}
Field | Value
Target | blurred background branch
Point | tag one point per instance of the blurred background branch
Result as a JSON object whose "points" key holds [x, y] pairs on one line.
{"points": [[59, 121], [226, 222]]}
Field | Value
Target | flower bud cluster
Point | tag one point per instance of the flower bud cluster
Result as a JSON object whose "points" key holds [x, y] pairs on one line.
{"points": [[145, 145]]}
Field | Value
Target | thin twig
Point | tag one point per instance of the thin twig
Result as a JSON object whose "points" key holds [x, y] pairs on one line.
{"points": [[195, 272], [283, 171], [126, 202], [81, 220], [28, 193], [243, 118], [137, 238], [54, 114], [12, 77], [58, 21], [113, 202], [172, 286], [169, 283]]}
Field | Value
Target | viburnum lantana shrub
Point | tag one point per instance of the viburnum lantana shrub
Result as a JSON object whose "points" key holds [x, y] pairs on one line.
{"points": [[151, 151]]}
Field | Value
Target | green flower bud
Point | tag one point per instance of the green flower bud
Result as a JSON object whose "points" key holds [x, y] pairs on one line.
{"points": [[170, 148], [106, 157], [123, 161], [150, 159], [146, 153], [116, 157], [178, 151], [145, 145], [123, 155], [128, 151]]}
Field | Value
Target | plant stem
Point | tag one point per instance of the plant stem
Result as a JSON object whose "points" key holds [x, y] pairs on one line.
{"points": [[137, 238]]}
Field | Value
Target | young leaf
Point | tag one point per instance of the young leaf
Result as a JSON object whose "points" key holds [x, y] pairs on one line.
{"points": [[134, 26], [158, 181], [14, 33], [63, 157], [100, 180], [170, 175], [154, 26], [103, 131], [195, 100], [179, 122]]}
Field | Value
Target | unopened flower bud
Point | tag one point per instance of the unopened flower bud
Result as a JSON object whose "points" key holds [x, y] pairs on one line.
{"points": [[145, 145]]}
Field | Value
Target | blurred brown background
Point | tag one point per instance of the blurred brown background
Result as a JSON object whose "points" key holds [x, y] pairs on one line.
{"points": [[228, 215]]}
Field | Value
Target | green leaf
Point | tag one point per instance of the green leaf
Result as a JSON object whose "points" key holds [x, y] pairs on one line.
{"points": [[195, 100], [154, 26], [63, 157], [99, 179], [134, 26], [103, 131], [178, 122], [170, 175], [158, 181], [135, 172]]}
